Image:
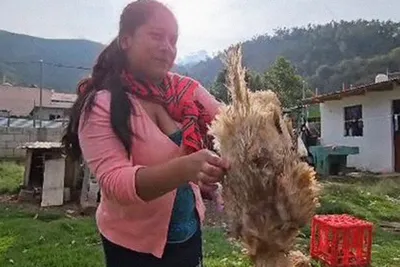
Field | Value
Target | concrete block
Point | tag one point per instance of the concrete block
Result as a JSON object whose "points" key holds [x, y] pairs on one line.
{"points": [[54, 138], [53, 183], [54, 135], [3, 130], [41, 134], [6, 152], [29, 130], [21, 138], [11, 144], [20, 153], [32, 137], [7, 137], [3, 144], [15, 130]]}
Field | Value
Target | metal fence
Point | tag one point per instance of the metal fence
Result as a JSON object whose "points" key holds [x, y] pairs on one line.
{"points": [[30, 123]]}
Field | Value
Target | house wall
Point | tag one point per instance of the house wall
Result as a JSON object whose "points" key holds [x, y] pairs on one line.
{"points": [[4, 113], [376, 144], [11, 138], [45, 113]]}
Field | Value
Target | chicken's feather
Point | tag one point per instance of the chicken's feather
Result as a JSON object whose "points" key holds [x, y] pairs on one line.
{"points": [[269, 194]]}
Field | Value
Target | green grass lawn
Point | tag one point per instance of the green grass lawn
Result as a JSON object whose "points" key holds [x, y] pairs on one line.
{"points": [[32, 238], [50, 239], [10, 177]]}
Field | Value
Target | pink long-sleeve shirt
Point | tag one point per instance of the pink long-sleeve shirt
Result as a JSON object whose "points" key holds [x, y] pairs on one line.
{"points": [[122, 216]]}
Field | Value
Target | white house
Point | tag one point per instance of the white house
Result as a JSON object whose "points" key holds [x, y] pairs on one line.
{"points": [[367, 116]]}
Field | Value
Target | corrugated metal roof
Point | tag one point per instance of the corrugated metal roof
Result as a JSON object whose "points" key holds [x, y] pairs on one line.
{"points": [[359, 90]]}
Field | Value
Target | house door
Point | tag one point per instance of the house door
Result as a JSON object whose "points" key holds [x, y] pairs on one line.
{"points": [[396, 134]]}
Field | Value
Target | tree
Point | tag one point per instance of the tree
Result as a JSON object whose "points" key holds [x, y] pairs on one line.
{"points": [[322, 54], [253, 80], [282, 78], [218, 88]]}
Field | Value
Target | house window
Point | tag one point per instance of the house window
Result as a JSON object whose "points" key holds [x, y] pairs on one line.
{"points": [[353, 121], [52, 117]]}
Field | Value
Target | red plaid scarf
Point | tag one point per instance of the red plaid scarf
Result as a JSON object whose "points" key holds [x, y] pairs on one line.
{"points": [[176, 94]]}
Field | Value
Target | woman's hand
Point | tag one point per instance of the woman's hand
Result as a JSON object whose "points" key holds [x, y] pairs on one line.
{"points": [[213, 193], [206, 168], [203, 167]]}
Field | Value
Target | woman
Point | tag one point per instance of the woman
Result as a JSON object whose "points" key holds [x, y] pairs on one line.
{"points": [[141, 131]]}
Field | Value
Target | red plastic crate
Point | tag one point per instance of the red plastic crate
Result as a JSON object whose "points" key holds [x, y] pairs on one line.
{"points": [[341, 241]]}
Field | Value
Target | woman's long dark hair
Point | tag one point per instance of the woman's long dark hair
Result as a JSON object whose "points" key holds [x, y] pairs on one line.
{"points": [[106, 74]]}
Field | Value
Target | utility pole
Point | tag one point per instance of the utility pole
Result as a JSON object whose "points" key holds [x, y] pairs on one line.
{"points": [[41, 93], [303, 107], [8, 118]]}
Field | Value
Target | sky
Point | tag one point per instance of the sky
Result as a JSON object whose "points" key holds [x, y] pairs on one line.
{"points": [[210, 25]]}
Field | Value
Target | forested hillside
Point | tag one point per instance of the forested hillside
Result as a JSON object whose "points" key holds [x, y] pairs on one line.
{"points": [[65, 60], [325, 55]]}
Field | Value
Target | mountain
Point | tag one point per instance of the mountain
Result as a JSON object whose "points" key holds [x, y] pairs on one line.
{"points": [[19, 56], [193, 58], [327, 56], [349, 52]]}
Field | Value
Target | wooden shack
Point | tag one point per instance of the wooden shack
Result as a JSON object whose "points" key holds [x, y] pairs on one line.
{"points": [[49, 176]]}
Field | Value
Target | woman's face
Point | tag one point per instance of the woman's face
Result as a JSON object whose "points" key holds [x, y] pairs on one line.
{"points": [[151, 50]]}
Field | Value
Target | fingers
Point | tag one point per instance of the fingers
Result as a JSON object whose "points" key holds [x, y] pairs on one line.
{"points": [[208, 188], [225, 164], [212, 170], [207, 179], [215, 160], [212, 167], [211, 192]]}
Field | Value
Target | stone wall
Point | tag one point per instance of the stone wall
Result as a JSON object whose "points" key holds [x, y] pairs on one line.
{"points": [[12, 137]]}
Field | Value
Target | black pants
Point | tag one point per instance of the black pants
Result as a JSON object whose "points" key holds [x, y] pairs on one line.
{"points": [[187, 254]]}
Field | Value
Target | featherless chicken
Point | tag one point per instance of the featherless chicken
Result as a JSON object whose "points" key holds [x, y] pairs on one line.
{"points": [[269, 193]]}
